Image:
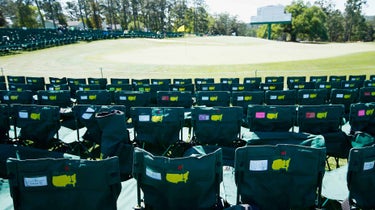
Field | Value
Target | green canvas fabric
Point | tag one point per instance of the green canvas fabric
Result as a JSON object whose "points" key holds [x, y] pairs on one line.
{"points": [[16, 97], [159, 126], [312, 96], [362, 118], [361, 177], [319, 119], [64, 184], [178, 183], [362, 139], [216, 125], [174, 99], [279, 177], [95, 97], [213, 98], [39, 123], [267, 118], [60, 98], [274, 138], [280, 97], [115, 139]]}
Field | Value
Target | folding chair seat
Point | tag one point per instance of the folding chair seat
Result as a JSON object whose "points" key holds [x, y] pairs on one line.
{"points": [[37, 83], [182, 87], [352, 84], [360, 177], [294, 79], [312, 96], [166, 82], [119, 81], [213, 98], [97, 97], [136, 82], [279, 177], [191, 182], [119, 87], [174, 99], [267, 118], [362, 118], [16, 79], [369, 83], [157, 128], [182, 81], [199, 81], [57, 86], [212, 87], [58, 81], [88, 184], [335, 78], [345, 97], [102, 82], [217, 125], [271, 86], [318, 78], [253, 81], [4, 123], [39, 125], [366, 94], [132, 99], [280, 97], [359, 78], [274, 79], [16, 97]]}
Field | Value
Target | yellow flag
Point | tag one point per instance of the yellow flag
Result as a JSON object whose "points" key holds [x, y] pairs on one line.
{"points": [[181, 29]]}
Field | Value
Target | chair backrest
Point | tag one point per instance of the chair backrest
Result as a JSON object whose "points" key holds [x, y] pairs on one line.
{"points": [[132, 99], [271, 86], [213, 98], [96, 97], [60, 98], [191, 182], [182, 81], [57, 80], [280, 97], [216, 125], [16, 97], [279, 177], [351, 84], [16, 79], [359, 78], [361, 177], [366, 94], [254, 81], [230, 81], [337, 78], [294, 79], [369, 83], [245, 98], [57, 87], [320, 119], [362, 117], [182, 87], [199, 81], [136, 82], [271, 118], [212, 87], [119, 81], [161, 81], [119, 87], [274, 79], [345, 97], [21, 87], [102, 82], [38, 83], [244, 87], [51, 179], [159, 126], [174, 99], [38, 123], [318, 78], [312, 96]]}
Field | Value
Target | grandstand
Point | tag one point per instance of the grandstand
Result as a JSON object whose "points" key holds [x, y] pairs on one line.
{"points": [[170, 122]]}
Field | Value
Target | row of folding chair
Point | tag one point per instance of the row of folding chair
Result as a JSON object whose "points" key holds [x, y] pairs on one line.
{"points": [[288, 175]]}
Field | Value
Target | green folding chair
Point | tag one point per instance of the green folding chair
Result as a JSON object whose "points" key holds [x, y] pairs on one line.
{"points": [[64, 183], [16, 97], [213, 98], [191, 182], [361, 177], [102, 82], [174, 99], [280, 176], [157, 128], [280, 97]]}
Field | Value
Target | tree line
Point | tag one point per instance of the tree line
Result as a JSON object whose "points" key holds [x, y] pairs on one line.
{"points": [[320, 21]]}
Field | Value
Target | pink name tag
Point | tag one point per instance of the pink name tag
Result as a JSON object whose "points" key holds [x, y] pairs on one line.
{"points": [[361, 113], [260, 115]]}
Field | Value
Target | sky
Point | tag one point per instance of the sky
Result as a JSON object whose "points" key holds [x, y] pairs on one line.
{"points": [[244, 9]]}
